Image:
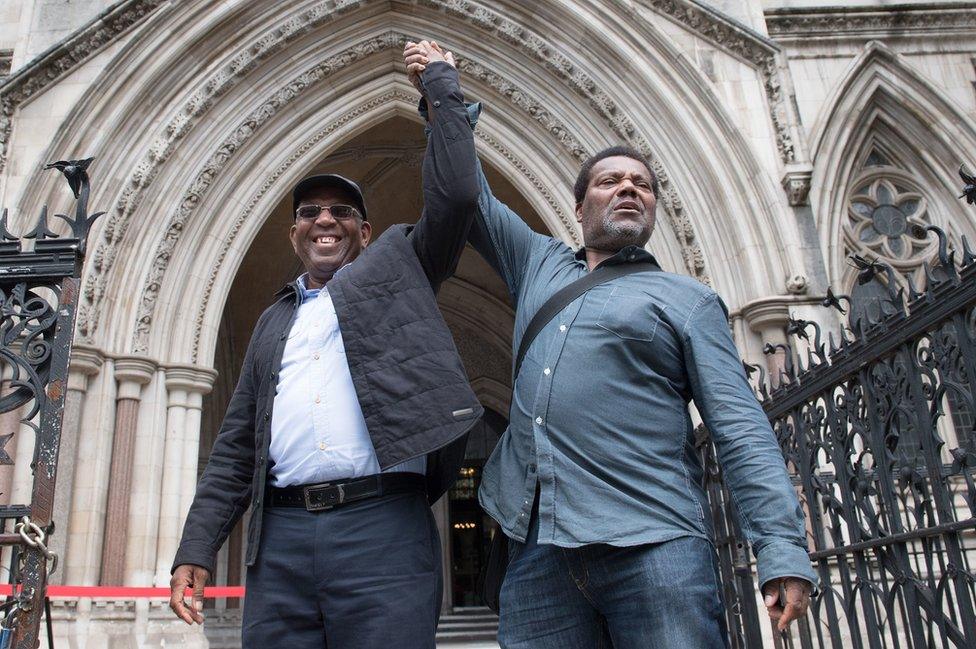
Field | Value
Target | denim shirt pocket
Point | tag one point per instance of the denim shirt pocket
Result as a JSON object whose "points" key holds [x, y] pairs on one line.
{"points": [[630, 314]]}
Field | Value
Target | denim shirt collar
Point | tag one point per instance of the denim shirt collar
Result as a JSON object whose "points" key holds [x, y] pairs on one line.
{"points": [[626, 255]]}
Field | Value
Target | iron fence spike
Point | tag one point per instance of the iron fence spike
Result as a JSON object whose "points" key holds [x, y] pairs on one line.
{"points": [[968, 256], [5, 234]]}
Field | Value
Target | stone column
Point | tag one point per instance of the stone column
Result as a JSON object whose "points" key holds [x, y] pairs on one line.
{"points": [[144, 496], [132, 373], [85, 362], [89, 493], [185, 386], [768, 317]]}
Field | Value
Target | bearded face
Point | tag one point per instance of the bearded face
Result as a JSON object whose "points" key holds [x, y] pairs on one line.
{"points": [[618, 208]]}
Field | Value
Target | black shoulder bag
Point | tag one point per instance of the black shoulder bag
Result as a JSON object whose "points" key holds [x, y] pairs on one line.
{"points": [[493, 572]]}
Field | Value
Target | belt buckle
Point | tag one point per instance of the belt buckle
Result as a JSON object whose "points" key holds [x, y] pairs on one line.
{"points": [[320, 506]]}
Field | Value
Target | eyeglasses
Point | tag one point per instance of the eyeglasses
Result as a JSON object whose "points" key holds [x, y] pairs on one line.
{"points": [[338, 212]]}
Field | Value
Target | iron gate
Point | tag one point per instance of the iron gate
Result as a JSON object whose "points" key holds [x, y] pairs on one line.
{"points": [[876, 427], [38, 296]]}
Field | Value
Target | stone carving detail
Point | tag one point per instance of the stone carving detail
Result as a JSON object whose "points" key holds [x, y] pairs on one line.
{"points": [[58, 62], [797, 186], [750, 46], [869, 21], [797, 284]]}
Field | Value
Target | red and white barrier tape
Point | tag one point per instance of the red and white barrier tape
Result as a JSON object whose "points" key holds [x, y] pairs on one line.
{"points": [[126, 592]]}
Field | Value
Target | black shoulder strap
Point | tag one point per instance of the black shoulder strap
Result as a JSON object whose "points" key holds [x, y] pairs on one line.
{"points": [[570, 292]]}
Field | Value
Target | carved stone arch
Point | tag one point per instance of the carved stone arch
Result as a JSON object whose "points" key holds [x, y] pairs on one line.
{"points": [[720, 161], [181, 336], [884, 103]]}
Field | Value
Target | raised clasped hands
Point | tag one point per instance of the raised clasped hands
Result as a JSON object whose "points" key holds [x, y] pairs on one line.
{"points": [[417, 56]]}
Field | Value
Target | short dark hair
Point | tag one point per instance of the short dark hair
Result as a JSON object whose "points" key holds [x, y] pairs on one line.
{"points": [[583, 179]]}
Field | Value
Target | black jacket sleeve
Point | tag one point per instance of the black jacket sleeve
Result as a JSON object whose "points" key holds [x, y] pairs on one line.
{"points": [[450, 177], [224, 490]]}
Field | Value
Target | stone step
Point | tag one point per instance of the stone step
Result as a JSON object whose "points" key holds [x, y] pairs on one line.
{"points": [[469, 624], [445, 619], [457, 639]]}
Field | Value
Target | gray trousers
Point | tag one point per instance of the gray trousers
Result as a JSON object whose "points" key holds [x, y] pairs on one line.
{"points": [[363, 576]]}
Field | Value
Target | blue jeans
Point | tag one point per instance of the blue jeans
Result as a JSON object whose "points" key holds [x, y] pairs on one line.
{"points": [[656, 596]]}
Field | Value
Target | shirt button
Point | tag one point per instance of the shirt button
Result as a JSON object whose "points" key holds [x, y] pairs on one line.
{"points": [[547, 371], [437, 103], [538, 420], [315, 356], [631, 258], [322, 446], [267, 416], [317, 399], [562, 327]]}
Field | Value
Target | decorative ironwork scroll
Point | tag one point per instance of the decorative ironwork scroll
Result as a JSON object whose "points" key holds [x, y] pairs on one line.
{"points": [[876, 425], [38, 295]]}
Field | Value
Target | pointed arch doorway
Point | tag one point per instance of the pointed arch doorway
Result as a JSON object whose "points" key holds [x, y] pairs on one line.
{"points": [[386, 161]]}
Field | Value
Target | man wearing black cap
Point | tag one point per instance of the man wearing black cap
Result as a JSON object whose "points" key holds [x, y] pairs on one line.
{"points": [[349, 418]]}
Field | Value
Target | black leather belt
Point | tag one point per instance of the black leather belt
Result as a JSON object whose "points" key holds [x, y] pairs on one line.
{"points": [[328, 495]]}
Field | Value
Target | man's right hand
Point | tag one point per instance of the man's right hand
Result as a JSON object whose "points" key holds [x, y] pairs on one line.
{"points": [[188, 576]]}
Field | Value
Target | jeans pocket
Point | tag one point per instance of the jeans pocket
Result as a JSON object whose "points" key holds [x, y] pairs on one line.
{"points": [[630, 314]]}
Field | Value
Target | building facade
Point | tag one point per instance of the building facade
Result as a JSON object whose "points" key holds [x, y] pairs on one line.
{"points": [[787, 135]]}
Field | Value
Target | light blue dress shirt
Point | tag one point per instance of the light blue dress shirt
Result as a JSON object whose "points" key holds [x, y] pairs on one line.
{"points": [[318, 432]]}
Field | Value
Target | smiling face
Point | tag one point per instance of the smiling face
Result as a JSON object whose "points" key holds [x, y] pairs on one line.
{"points": [[618, 208], [325, 244]]}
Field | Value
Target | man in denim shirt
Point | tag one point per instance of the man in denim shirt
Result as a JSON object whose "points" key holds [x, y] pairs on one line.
{"points": [[596, 480]]}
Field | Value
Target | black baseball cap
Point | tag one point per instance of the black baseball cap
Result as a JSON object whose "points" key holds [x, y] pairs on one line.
{"points": [[328, 180]]}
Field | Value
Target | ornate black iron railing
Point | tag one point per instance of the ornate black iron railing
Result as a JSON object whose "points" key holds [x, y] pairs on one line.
{"points": [[876, 427], [38, 295]]}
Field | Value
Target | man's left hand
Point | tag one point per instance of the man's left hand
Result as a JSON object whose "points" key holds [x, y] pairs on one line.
{"points": [[797, 599]]}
